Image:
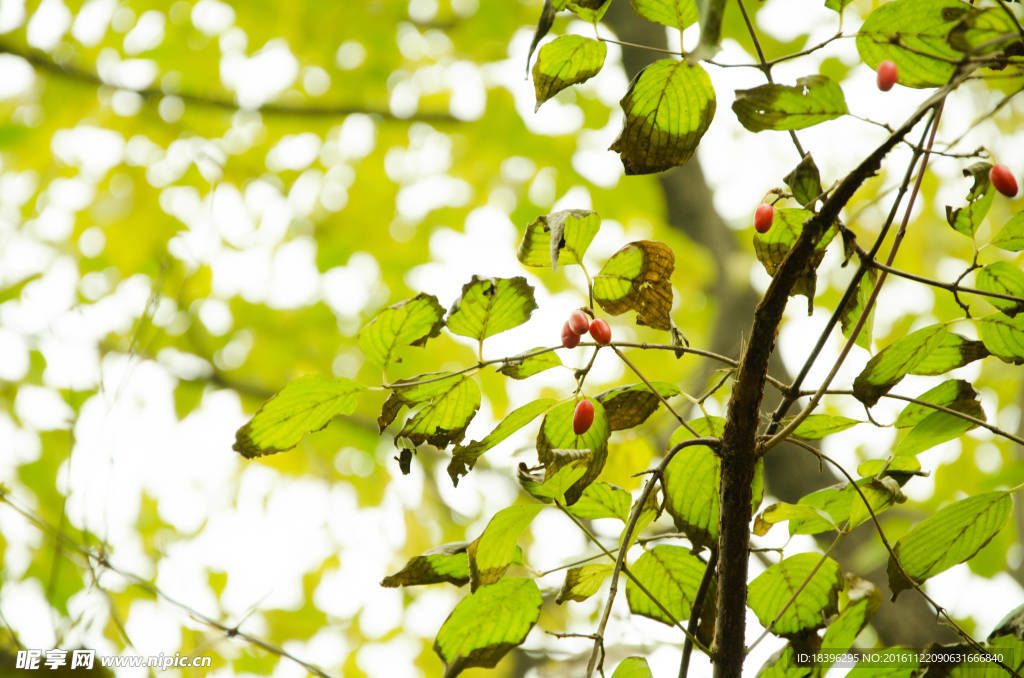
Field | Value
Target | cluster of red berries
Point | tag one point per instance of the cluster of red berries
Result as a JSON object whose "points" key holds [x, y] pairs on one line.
{"points": [[578, 324]]}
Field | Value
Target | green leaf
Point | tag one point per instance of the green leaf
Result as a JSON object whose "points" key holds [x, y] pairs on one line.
{"points": [[772, 247], [804, 181], [487, 624], [692, 483], [837, 5], [633, 667], [902, 663], [804, 519], [589, 10], [951, 536], [450, 406], [672, 575], [894, 362], [305, 405], [601, 500], [952, 352], [818, 426], [783, 664], [912, 34], [854, 308], [841, 633], [1011, 235], [967, 219], [464, 456], [558, 238], [526, 365], [881, 494], [408, 323], [818, 600], [491, 305], [583, 582], [445, 563], [1003, 277], [813, 100], [930, 426], [629, 406], [1003, 337], [984, 31], [558, 444], [638, 278], [668, 107], [491, 553], [954, 393], [554, 486], [672, 13], [566, 61], [894, 466]]}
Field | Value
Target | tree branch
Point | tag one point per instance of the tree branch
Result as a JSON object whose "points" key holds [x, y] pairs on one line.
{"points": [[42, 62]]}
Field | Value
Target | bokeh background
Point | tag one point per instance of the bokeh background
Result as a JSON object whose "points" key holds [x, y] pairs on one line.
{"points": [[202, 200]]}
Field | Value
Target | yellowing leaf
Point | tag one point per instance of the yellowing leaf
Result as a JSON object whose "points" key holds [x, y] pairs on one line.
{"points": [[565, 61], [668, 108], [638, 278]]}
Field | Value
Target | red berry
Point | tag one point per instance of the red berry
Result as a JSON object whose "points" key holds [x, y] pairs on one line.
{"points": [[763, 217], [579, 322], [600, 331], [1004, 181], [583, 417], [569, 338], [888, 74]]}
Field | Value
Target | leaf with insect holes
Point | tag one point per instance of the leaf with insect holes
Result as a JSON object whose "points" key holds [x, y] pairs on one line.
{"points": [[813, 100], [629, 406], [446, 563], [804, 181], [447, 403], [566, 61], [774, 596], [967, 219], [583, 582], [679, 14], [1002, 277], [1003, 337], [668, 107], [672, 575], [638, 278], [464, 456], [492, 552], [305, 405], [913, 35], [558, 444], [491, 305], [951, 536], [407, 323], [558, 238], [488, 623], [772, 247]]}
